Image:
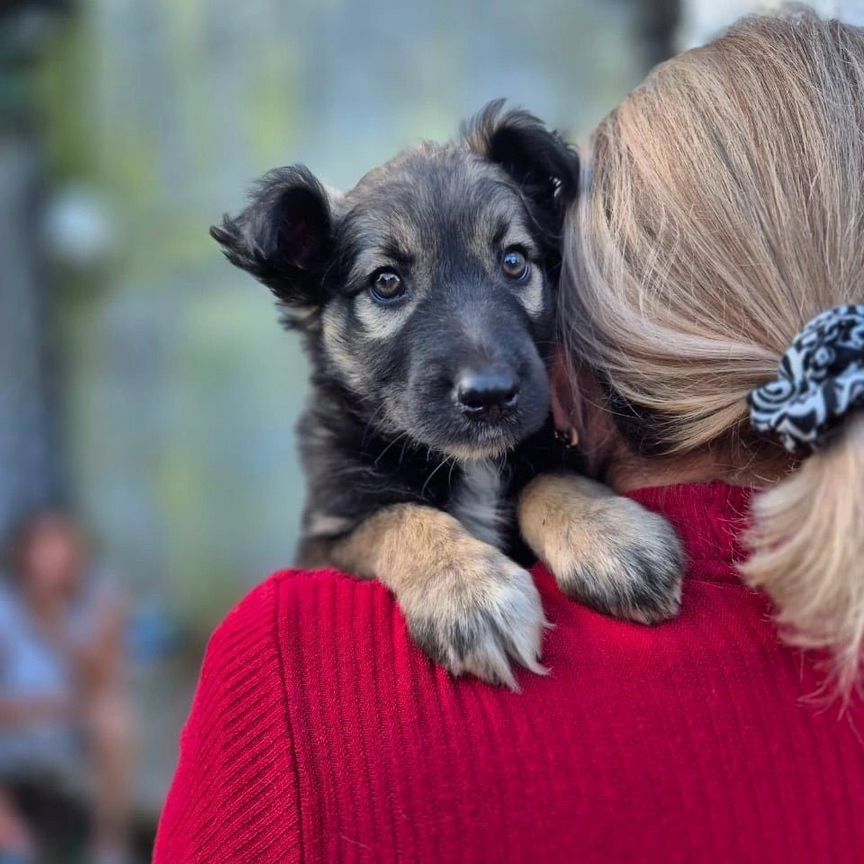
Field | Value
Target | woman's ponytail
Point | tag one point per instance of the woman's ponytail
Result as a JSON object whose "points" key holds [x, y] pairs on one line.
{"points": [[807, 544]]}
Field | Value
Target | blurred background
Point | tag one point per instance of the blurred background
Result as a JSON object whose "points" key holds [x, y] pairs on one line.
{"points": [[148, 476]]}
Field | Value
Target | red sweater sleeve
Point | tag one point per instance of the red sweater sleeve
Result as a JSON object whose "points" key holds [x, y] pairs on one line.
{"points": [[234, 796]]}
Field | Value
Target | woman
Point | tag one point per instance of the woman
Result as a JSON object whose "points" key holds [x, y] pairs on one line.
{"points": [[64, 721], [722, 209]]}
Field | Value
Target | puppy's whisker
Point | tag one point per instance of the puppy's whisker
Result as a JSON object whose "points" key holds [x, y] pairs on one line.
{"points": [[371, 424], [435, 470], [450, 472], [395, 441]]}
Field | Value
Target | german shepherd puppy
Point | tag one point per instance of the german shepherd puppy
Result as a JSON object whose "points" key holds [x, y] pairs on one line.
{"points": [[425, 299]]}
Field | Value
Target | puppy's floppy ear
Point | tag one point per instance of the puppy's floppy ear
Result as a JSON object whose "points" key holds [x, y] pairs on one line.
{"points": [[544, 166], [284, 238]]}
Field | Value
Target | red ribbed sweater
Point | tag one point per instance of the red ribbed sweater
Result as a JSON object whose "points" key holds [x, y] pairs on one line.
{"points": [[320, 733]]}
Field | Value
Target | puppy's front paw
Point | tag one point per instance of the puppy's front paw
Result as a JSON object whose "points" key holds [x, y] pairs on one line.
{"points": [[470, 607], [629, 564], [605, 551], [475, 613]]}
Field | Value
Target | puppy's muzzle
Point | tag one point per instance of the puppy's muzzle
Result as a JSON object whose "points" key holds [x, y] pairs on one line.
{"points": [[487, 395]]}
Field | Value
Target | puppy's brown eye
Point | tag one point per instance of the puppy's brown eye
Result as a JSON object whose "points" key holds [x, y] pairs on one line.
{"points": [[386, 286], [514, 264]]}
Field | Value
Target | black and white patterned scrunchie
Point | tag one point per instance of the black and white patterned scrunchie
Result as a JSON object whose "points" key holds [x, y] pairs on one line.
{"points": [[820, 380]]}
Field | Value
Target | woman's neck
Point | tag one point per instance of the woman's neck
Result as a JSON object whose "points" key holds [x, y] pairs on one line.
{"points": [[581, 412], [626, 471]]}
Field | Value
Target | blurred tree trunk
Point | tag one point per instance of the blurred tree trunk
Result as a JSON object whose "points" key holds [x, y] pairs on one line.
{"points": [[659, 25], [28, 468]]}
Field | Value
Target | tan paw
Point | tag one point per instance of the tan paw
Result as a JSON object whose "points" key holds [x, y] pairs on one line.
{"points": [[476, 613], [605, 550], [470, 607]]}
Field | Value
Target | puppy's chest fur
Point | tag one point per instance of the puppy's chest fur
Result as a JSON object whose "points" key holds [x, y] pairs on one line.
{"points": [[351, 475], [478, 502]]}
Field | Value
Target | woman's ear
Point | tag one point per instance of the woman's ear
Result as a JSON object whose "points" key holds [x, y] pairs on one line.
{"points": [[564, 412], [284, 238], [581, 411]]}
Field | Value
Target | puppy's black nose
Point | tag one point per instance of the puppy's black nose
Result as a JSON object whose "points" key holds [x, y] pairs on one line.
{"points": [[488, 394]]}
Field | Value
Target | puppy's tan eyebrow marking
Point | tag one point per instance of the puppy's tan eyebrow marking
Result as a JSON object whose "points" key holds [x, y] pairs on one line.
{"points": [[511, 229]]}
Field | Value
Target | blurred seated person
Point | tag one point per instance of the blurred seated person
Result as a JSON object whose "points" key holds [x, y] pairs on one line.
{"points": [[65, 731]]}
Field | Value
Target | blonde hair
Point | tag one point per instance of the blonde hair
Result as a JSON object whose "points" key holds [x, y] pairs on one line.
{"points": [[722, 208]]}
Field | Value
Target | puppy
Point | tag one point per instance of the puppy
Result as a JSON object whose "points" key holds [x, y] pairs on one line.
{"points": [[425, 300]]}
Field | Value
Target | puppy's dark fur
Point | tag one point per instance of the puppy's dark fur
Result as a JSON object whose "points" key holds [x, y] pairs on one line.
{"points": [[388, 423]]}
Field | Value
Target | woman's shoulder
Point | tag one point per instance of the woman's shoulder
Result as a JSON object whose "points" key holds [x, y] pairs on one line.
{"points": [[299, 628], [294, 631], [237, 777], [313, 636], [292, 599]]}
